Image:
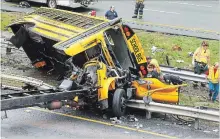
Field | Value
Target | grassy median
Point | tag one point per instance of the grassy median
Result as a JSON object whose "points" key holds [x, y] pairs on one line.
{"points": [[165, 43], [7, 18]]}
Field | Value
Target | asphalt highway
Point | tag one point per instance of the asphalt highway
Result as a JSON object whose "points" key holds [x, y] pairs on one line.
{"points": [[35, 123], [190, 14], [203, 15]]}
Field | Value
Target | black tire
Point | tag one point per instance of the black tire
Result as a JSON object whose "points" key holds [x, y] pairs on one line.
{"points": [[52, 3], [118, 103]]}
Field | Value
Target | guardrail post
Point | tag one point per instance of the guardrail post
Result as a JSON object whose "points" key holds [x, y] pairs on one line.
{"points": [[196, 126], [148, 114]]}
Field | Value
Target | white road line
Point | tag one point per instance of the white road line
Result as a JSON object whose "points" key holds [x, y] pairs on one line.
{"points": [[161, 11], [208, 6]]}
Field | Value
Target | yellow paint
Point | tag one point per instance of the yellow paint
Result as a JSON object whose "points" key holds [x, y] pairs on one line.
{"points": [[89, 42], [52, 35], [136, 48], [53, 29], [104, 123], [57, 23], [159, 91], [104, 82], [82, 45], [76, 99]]}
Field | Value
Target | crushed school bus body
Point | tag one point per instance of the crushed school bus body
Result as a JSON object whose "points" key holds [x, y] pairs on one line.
{"points": [[90, 52]]}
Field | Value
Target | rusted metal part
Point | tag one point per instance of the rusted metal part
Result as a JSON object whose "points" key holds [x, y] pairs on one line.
{"points": [[17, 97], [33, 98]]}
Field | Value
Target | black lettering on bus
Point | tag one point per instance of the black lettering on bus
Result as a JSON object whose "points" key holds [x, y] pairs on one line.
{"points": [[136, 50]]}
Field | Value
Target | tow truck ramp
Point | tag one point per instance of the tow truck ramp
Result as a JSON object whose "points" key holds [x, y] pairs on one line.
{"points": [[16, 97], [22, 99]]}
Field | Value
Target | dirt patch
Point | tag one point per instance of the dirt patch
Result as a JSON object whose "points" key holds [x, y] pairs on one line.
{"points": [[18, 63]]}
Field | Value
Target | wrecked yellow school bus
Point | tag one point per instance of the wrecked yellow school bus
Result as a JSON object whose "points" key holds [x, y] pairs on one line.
{"points": [[90, 52]]}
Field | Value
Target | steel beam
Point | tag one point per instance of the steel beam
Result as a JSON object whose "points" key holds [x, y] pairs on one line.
{"points": [[211, 115], [184, 74]]}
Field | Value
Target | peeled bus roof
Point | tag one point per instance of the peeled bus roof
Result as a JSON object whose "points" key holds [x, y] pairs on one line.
{"points": [[58, 24]]}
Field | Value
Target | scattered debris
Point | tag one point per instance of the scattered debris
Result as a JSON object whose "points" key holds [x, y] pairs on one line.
{"points": [[195, 85], [180, 123], [176, 48], [132, 118], [158, 124], [179, 61], [138, 125], [154, 49], [28, 111], [114, 120], [104, 116], [215, 130], [122, 118], [189, 125], [190, 54], [206, 131], [126, 132]]}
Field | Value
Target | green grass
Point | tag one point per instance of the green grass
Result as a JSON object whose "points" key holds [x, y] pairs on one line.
{"points": [[187, 100], [7, 18], [166, 42]]}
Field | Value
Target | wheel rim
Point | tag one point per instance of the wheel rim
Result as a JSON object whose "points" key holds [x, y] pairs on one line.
{"points": [[52, 3], [123, 105]]}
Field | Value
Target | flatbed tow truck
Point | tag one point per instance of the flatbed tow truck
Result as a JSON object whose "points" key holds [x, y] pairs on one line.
{"points": [[101, 63]]}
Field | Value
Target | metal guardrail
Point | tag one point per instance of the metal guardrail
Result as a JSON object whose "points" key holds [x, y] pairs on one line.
{"points": [[176, 110], [184, 74], [210, 35]]}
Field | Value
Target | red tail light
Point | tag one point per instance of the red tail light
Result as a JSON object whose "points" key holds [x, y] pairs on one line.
{"points": [[93, 13], [143, 70], [126, 29], [128, 34]]}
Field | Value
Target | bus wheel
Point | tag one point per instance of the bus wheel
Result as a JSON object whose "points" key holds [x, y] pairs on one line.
{"points": [[118, 103], [52, 3]]}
